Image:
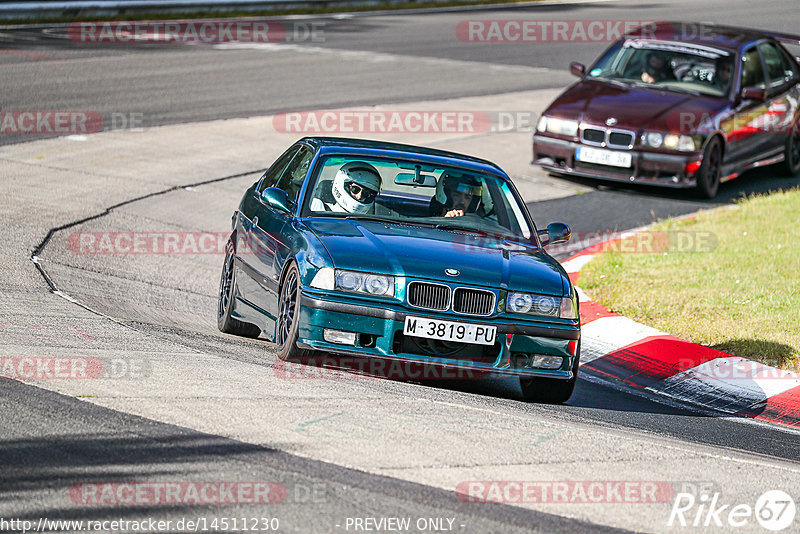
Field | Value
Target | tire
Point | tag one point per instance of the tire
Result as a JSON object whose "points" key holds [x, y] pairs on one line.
{"points": [[550, 390], [791, 162], [227, 283], [710, 170], [288, 323]]}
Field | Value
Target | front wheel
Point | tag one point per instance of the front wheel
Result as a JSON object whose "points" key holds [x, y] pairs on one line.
{"points": [[791, 161], [708, 177], [550, 390], [289, 317]]}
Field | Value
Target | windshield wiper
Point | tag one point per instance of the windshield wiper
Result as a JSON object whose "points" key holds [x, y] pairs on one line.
{"points": [[666, 88], [390, 221], [612, 81], [443, 226], [367, 218]]}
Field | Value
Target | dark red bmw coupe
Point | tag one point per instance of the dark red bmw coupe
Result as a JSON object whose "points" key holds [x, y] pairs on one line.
{"points": [[678, 105]]}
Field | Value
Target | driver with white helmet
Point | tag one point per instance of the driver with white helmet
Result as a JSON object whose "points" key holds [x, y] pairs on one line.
{"points": [[354, 189]]}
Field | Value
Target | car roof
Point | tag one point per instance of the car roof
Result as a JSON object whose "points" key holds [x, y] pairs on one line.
{"points": [[720, 36], [384, 148]]}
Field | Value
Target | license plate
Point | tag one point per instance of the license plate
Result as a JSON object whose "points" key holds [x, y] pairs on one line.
{"points": [[450, 331], [603, 157]]}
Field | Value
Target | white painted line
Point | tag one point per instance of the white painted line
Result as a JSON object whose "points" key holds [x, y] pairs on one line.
{"points": [[617, 331], [576, 264], [379, 57], [593, 348]]}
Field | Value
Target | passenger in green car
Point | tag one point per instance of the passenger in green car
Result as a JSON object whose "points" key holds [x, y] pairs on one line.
{"points": [[354, 189]]}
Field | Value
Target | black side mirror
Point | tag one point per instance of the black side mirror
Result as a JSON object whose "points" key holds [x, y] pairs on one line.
{"points": [[754, 93], [577, 69], [277, 198], [555, 233]]}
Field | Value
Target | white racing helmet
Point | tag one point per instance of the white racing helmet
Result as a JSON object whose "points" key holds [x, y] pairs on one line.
{"points": [[364, 176]]}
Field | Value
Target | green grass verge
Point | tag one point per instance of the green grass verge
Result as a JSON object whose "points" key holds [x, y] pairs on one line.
{"points": [[133, 15], [729, 279]]}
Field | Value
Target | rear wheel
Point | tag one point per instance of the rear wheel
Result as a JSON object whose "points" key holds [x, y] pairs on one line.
{"points": [[791, 162], [709, 174], [550, 390], [288, 322], [225, 322]]}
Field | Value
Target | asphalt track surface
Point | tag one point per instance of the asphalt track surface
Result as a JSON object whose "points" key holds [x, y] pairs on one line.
{"points": [[52, 440]]}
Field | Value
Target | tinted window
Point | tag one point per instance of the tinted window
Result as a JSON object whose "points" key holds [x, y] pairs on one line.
{"points": [[779, 70], [791, 66], [752, 71], [293, 177], [270, 178]]}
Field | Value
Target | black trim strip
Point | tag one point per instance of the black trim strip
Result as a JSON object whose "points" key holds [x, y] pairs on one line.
{"points": [[257, 277], [353, 309], [380, 313]]}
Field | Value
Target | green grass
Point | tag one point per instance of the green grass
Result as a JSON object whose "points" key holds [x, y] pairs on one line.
{"points": [[333, 7], [729, 279]]}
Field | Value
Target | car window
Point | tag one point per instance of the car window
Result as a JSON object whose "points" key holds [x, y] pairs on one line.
{"points": [[392, 190], [779, 70], [666, 64], [293, 177], [270, 178], [789, 62], [752, 71]]}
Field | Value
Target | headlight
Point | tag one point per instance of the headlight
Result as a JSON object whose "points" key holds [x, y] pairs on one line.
{"points": [[542, 305], [687, 143], [541, 126], [558, 126], [669, 141], [353, 281], [371, 284], [654, 139]]}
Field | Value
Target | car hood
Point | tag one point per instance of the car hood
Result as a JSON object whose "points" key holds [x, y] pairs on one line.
{"points": [[635, 108], [425, 253]]}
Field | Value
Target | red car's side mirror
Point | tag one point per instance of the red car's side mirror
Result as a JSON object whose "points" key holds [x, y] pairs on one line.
{"points": [[577, 69], [754, 93]]}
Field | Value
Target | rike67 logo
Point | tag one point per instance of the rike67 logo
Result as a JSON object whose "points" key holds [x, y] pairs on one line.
{"points": [[774, 510]]}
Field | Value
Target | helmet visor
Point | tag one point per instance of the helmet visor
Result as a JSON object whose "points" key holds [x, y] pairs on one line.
{"points": [[361, 193]]}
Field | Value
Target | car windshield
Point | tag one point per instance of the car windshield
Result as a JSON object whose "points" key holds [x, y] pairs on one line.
{"points": [[412, 192], [677, 66]]}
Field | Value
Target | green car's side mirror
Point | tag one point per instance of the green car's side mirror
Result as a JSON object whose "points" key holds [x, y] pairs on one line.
{"points": [[556, 232], [278, 199]]}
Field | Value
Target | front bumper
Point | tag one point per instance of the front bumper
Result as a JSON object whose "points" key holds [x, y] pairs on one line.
{"points": [[380, 335], [666, 170]]}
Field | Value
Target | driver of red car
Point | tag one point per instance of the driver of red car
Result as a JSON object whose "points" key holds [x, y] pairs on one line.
{"points": [[657, 68]]}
